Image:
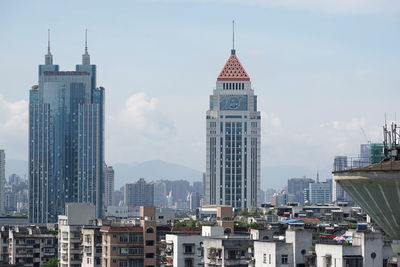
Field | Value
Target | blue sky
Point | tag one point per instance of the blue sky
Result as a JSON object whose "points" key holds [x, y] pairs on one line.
{"points": [[322, 70]]}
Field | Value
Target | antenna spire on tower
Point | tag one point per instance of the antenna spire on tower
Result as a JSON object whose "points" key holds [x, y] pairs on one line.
{"points": [[48, 41], [233, 38], [86, 56], [86, 46], [48, 58], [233, 34]]}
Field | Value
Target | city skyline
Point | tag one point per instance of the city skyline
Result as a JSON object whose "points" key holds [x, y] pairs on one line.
{"points": [[285, 59]]}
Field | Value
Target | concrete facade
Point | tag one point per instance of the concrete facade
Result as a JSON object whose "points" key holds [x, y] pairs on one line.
{"points": [[233, 140], [227, 251], [31, 245], [185, 250], [273, 254], [70, 232]]}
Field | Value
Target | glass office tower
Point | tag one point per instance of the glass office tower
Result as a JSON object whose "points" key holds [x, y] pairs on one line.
{"points": [[66, 140]]}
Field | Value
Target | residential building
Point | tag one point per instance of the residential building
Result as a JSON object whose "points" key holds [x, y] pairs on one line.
{"points": [[233, 140], [70, 226], [160, 194], [91, 246], [31, 245], [194, 200], [2, 180], [366, 249], [269, 195], [282, 197], [131, 245], [139, 194], [108, 185], [320, 192], [296, 187], [183, 250], [365, 154], [276, 254], [223, 251], [339, 164], [4, 238], [14, 179], [66, 140]]}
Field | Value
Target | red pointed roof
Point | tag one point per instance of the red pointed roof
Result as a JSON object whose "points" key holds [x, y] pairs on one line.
{"points": [[233, 70]]}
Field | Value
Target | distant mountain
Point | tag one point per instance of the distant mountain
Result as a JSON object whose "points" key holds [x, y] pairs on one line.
{"points": [[271, 177], [153, 170]]}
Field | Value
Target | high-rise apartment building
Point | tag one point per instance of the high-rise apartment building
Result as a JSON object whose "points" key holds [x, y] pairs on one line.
{"points": [[108, 185], [233, 140], [296, 186], [2, 179], [339, 164], [66, 140], [320, 193], [139, 194]]}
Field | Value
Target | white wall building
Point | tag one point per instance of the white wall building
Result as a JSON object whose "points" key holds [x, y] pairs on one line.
{"points": [[290, 252], [233, 140], [186, 249], [273, 254], [69, 232], [108, 185], [367, 249]]}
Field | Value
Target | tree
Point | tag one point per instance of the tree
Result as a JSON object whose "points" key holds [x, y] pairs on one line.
{"points": [[53, 262]]}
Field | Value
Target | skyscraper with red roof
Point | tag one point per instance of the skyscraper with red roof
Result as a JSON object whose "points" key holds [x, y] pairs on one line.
{"points": [[233, 140]]}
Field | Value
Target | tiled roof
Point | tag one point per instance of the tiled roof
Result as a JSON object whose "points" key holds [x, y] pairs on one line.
{"points": [[233, 70]]}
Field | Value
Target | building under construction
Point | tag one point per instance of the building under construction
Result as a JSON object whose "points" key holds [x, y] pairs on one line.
{"points": [[376, 187]]}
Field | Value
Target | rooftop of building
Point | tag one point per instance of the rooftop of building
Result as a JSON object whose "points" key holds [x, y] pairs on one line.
{"points": [[387, 165], [233, 70]]}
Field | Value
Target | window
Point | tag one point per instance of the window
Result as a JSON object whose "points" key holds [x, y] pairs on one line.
{"points": [[123, 263], [284, 259], [150, 230], [189, 249], [269, 256], [189, 263], [265, 258], [149, 255], [149, 242], [123, 237]]}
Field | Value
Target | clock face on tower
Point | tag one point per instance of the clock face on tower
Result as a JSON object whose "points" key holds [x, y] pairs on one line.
{"points": [[233, 102]]}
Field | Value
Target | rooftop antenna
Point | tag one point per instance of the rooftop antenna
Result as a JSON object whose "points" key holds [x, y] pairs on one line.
{"points": [[233, 37], [85, 56], [86, 47], [385, 118], [48, 41]]}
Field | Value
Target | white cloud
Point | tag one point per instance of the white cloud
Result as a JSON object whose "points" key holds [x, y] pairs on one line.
{"points": [[14, 116], [14, 127], [141, 116], [139, 131]]}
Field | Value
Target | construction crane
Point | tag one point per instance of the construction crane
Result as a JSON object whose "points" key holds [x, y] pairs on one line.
{"points": [[366, 138]]}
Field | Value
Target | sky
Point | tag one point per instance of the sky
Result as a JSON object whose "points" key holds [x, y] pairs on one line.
{"points": [[325, 71]]}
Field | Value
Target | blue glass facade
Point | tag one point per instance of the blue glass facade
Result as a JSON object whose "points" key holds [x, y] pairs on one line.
{"points": [[66, 134]]}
